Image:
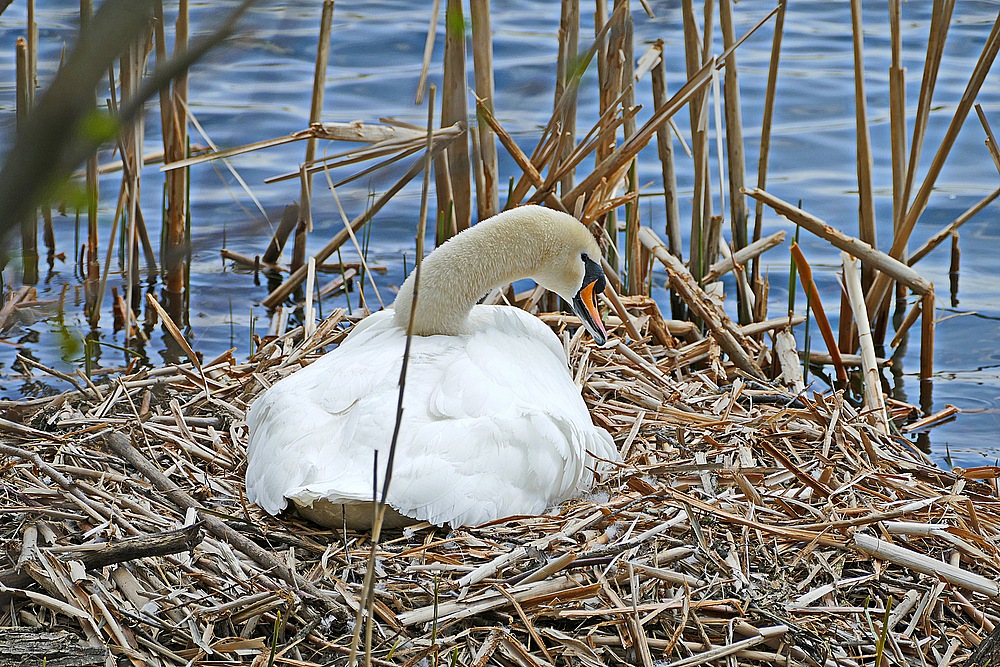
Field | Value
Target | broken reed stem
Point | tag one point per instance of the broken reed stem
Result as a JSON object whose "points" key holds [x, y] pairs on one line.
{"points": [[991, 141], [609, 66], [954, 268], [32, 39], [725, 332], [289, 218], [927, 336], [697, 112], [740, 258], [874, 401], [665, 151], [882, 262], [48, 233], [455, 109], [133, 62], [92, 277], [635, 276], [487, 197], [816, 303]]}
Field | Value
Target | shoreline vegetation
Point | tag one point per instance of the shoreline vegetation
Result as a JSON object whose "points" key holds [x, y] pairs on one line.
{"points": [[753, 521]]}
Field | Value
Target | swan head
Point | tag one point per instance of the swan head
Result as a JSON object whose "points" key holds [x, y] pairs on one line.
{"points": [[551, 247], [575, 274]]}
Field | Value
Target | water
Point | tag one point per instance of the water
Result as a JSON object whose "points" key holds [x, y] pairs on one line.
{"points": [[258, 86]]}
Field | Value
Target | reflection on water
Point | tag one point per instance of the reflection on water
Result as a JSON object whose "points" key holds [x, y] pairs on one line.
{"points": [[258, 86]]}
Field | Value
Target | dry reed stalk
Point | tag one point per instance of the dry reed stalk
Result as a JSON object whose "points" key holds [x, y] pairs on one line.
{"points": [[296, 278], [738, 213], [866, 204], [665, 152], [428, 52], [132, 142], [940, 20], [927, 336], [931, 566], [765, 130], [455, 109], [32, 47], [29, 224], [880, 289], [175, 238], [92, 278], [816, 303], [953, 269], [382, 136], [897, 113], [936, 240], [874, 401], [48, 233], [610, 68], [567, 66], [316, 109], [289, 218], [300, 239], [697, 108], [487, 197], [635, 277]]}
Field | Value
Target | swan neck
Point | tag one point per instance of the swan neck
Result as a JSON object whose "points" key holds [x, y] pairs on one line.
{"points": [[460, 272]]}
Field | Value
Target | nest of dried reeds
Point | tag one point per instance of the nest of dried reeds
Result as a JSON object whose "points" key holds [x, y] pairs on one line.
{"points": [[747, 524]]}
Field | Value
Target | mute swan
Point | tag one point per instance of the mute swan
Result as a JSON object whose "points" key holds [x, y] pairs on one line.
{"points": [[492, 425]]}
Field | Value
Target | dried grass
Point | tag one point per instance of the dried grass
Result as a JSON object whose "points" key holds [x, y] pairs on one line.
{"points": [[746, 524]]}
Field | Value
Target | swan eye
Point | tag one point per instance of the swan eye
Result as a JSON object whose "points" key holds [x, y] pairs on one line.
{"points": [[592, 274]]}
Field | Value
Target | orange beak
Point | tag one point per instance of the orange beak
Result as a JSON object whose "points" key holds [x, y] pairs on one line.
{"points": [[585, 307]]}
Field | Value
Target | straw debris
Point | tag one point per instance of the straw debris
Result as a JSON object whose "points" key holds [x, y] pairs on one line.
{"points": [[747, 524]]}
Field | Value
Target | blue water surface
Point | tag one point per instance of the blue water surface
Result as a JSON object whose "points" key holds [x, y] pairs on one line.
{"points": [[258, 86]]}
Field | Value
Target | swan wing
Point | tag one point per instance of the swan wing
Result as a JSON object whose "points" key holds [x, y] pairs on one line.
{"points": [[498, 429]]}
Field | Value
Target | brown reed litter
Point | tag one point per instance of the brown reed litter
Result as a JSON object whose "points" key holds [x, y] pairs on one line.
{"points": [[747, 526]]}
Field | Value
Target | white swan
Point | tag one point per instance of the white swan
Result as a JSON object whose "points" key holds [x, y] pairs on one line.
{"points": [[493, 424]]}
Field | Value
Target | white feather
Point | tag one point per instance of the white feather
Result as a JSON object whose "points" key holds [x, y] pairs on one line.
{"points": [[492, 423]]}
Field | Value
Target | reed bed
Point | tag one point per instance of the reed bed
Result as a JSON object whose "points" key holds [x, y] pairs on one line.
{"points": [[747, 524], [751, 522]]}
